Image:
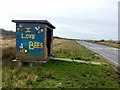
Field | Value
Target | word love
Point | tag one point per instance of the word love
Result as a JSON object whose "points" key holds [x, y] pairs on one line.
{"points": [[27, 36]]}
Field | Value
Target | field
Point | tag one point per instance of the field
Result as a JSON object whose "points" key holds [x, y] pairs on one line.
{"points": [[7, 42], [59, 74], [112, 43]]}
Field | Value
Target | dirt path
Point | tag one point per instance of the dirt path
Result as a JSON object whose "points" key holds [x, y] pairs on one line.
{"points": [[79, 61]]}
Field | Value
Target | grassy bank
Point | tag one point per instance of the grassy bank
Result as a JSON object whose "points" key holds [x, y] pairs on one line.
{"points": [[59, 74], [111, 43], [71, 49]]}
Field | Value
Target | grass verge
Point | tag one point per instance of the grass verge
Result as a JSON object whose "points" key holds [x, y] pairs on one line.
{"points": [[58, 74], [72, 50], [111, 43]]}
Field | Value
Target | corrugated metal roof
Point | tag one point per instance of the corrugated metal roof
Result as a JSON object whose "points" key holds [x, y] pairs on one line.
{"points": [[35, 21]]}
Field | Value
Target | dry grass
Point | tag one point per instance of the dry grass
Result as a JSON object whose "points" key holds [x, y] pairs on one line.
{"points": [[61, 49], [7, 42], [112, 43], [61, 44]]}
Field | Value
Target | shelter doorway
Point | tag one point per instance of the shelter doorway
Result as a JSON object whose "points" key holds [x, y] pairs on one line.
{"points": [[49, 40]]}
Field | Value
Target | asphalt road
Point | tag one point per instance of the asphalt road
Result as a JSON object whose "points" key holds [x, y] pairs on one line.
{"points": [[109, 53]]}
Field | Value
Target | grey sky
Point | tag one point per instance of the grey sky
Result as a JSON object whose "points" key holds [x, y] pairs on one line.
{"points": [[82, 19]]}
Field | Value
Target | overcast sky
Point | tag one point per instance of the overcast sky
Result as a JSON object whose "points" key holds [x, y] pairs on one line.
{"points": [[81, 19]]}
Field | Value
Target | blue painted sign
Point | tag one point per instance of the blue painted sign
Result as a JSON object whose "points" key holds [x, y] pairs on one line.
{"points": [[29, 38]]}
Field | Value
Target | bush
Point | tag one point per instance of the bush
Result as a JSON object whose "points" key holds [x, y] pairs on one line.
{"points": [[118, 42], [9, 53], [102, 40]]}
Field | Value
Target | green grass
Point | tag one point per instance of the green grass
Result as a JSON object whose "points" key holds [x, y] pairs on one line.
{"points": [[72, 50], [59, 74]]}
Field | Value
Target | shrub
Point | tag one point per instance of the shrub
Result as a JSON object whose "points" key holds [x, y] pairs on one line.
{"points": [[102, 40], [9, 53]]}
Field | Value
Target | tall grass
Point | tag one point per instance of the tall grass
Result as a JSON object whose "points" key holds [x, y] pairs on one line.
{"points": [[9, 53]]}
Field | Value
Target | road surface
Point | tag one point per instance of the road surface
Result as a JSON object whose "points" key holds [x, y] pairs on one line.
{"points": [[108, 52]]}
